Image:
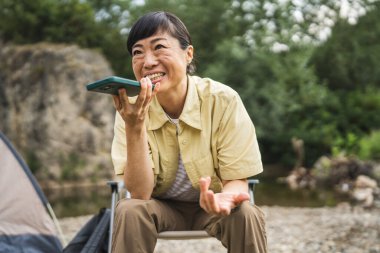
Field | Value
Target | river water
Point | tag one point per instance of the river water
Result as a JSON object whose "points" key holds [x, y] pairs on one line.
{"points": [[89, 200]]}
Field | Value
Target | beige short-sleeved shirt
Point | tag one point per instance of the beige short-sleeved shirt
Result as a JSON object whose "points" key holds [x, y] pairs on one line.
{"points": [[216, 138]]}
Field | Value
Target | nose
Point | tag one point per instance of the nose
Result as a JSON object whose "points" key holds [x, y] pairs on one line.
{"points": [[150, 60]]}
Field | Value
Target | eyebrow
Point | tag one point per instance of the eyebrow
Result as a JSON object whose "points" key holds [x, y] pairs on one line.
{"points": [[151, 42]]}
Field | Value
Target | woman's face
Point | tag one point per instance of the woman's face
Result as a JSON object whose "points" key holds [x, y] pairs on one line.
{"points": [[161, 58]]}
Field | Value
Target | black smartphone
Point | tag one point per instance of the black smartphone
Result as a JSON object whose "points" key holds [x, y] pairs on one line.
{"points": [[112, 84]]}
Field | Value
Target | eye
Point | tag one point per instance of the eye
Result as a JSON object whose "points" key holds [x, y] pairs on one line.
{"points": [[136, 52], [159, 46]]}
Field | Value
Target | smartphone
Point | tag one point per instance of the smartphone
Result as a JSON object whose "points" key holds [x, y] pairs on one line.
{"points": [[112, 84]]}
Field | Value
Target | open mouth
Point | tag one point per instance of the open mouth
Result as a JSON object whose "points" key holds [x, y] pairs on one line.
{"points": [[155, 76]]}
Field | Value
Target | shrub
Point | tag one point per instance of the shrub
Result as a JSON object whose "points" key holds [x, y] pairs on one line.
{"points": [[369, 146]]}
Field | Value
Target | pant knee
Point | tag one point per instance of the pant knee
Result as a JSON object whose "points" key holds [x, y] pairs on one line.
{"points": [[134, 230], [249, 215], [245, 226], [247, 210], [130, 208]]}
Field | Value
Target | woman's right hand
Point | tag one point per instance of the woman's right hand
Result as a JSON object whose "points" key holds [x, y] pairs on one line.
{"points": [[134, 114]]}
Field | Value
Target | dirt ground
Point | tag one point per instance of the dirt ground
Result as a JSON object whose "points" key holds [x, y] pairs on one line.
{"points": [[289, 230]]}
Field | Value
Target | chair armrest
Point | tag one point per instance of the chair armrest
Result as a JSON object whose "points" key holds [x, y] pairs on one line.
{"points": [[251, 186], [115, 186]]}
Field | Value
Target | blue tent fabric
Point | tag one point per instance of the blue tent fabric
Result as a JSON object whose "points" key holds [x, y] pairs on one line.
{"points": [[29, 244], [25, 225]]}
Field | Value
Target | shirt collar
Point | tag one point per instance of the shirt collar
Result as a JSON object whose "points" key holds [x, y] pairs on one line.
{"points": [[190, 114]]}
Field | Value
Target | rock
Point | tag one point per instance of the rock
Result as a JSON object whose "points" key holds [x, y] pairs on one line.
{"points": [[337, 170], [322, 168], [365, 182], [364, 191], [364, 195], [376, 171], [62, 131], [300, 178]]}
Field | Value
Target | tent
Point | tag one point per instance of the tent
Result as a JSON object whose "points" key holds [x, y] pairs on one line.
{"points": [[27, 221], [25, 224]]}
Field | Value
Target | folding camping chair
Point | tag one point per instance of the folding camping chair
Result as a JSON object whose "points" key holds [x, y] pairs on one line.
{"points": [[118, 186]]}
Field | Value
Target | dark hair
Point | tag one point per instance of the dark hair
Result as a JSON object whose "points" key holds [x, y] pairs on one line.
{"points": [[160, 21]]}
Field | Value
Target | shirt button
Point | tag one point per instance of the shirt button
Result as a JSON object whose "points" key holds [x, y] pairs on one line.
{"points": [[184, 142]]}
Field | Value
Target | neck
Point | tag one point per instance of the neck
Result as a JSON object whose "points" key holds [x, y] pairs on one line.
{"points": [[173, 101]]}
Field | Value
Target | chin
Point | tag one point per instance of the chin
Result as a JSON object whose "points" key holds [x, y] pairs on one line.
{"points": [[163, 82]]}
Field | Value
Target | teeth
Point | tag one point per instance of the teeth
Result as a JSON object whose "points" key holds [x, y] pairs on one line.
{"points": [[155, 76]]}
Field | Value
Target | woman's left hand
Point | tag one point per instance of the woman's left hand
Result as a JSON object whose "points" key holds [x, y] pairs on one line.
{"points": [[219, 203]]}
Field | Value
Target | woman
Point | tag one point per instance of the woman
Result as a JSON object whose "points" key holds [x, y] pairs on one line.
{"points": [[185, 146]]}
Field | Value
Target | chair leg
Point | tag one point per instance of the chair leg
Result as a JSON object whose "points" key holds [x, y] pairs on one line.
{"points": [[115, 196]]}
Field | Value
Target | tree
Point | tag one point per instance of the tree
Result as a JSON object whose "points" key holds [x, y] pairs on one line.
{"points": [[61, 21], [350, 58], [260, 48], [46, 20], [348, 62], [283, 97]]}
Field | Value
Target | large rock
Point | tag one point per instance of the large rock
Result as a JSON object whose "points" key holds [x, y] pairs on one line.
{"points": [[340, 169], [63, 131]]}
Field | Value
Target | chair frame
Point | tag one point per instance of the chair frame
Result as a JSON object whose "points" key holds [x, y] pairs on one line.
{"points": [[116, 188]]}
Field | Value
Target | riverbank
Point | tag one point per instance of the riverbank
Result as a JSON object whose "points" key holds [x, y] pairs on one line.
{"points": [[290, 230]]}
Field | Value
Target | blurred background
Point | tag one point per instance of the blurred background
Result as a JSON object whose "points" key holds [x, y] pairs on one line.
{"points": [[308, 73]]}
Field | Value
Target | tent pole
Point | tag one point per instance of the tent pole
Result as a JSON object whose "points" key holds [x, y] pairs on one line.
{"points": [[56, 223]]}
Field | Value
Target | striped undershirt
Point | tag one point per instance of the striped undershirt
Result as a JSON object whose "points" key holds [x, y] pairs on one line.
{"points": [[181, 189]]}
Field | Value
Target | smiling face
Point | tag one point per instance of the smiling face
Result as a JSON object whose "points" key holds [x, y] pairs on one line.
{"points": [[161, 58]]}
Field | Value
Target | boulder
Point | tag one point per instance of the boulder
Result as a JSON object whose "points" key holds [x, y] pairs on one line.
{"points": [[333, 171], [62, 131], [365, 189]]}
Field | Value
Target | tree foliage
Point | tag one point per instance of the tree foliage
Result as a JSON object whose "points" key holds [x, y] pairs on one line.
{"points": [[348, 62], [274, 53], [47, 20], [62, 21], [350, 58]]}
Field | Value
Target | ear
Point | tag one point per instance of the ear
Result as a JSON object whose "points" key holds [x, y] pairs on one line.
{"points": [[189, 54]]}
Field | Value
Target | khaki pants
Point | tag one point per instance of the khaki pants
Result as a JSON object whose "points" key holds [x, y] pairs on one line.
{"points": [[138, 222]]}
